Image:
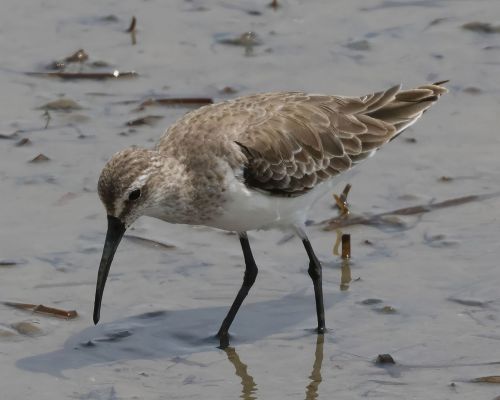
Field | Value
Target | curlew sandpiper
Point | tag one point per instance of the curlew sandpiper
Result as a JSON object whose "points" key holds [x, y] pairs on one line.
{"points": [[256, 162]]}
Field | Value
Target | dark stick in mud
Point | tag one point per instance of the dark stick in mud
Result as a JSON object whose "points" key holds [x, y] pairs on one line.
{"points": [[85, 75], [132, 31], [346, 246], [41, 309]]}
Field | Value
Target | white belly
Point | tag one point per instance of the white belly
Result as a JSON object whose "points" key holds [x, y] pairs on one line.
{"points": [[246, 209]]}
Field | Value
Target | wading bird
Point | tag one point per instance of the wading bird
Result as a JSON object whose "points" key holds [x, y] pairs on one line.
{"points": [[256, 162]]}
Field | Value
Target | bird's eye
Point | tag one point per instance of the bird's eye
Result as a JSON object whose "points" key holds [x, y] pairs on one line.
{"points": [[134, 194]]}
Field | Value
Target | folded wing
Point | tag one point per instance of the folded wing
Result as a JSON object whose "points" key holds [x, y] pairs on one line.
{"points": [[301, 140]]}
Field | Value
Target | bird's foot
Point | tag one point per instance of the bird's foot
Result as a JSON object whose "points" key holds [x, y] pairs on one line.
{"points": [[223, 340], [321, 330]]}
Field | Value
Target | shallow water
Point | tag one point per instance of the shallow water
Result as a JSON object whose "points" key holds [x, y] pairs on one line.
{"points": [[438, 271]]}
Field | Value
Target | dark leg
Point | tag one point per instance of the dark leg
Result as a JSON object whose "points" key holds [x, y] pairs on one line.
{"points": [[315, 274], [249, 279]]}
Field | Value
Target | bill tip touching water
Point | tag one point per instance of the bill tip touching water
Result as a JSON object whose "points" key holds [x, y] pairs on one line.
{"points": [[256, 162]]}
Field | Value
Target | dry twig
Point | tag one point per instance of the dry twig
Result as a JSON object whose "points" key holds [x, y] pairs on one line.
{"points": [[341, 201], [176, 101], [346, 246], [377, 219], [85, 75], [41, 309], [131, 28], [132, 31]]}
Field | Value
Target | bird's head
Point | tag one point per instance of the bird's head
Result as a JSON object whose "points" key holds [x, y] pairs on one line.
{"points": [[125, 186], [127, 191]]}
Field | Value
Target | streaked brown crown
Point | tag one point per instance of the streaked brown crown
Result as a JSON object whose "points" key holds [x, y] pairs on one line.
{"points": [[119, 173]]}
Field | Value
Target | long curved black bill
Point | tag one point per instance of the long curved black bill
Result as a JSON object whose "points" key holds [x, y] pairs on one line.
{"points": [[116, 229]]}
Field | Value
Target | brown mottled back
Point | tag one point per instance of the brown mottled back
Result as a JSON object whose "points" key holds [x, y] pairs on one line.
{"points": [[293, 141]]}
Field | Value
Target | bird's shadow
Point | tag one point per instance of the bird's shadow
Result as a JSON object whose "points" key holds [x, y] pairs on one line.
{"points": [[167, 334]]}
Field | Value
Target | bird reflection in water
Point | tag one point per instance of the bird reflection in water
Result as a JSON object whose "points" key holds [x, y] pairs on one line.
{"points": [[249, 387], [345, 254], [315, 377]]}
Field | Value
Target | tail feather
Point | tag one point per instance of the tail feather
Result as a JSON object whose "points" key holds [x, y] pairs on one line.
{"points": [[407, 106], [387, 114], [379, 100]]}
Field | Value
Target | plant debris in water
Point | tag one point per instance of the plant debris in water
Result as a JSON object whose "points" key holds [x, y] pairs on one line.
{"points": [[369, 302], [437, 21], [228, 90], [132, 31], [384, 359], [487, 379], [131, 27], [341, 201], [109, 18], [468, 302], [41, 309], [39, 158], [472, 90], [254, 12], [386, 310], [247, 40], [47, 117], [9, 136], [85, 75], [382, 218], [274, 5], [360, 45], [23, 142], [11, 263], [147, 120], [481, 27], [345, 277], [79, 56], [346, 246], [63, 104], [176, 101]]}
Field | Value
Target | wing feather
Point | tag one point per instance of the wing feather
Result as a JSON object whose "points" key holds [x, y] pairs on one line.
{"points": [[289, 142], [313, 138]]}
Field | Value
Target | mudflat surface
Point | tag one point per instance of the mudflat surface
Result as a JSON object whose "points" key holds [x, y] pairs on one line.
{"points": [[424, 288]]}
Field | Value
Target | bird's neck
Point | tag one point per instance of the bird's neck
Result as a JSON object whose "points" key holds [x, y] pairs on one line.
{"points": [[177, 193]]}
